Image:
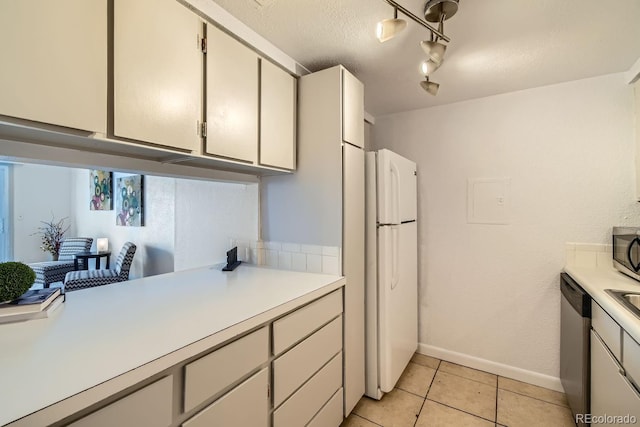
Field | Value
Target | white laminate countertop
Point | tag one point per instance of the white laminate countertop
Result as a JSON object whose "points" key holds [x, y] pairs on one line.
{"points": [[595, 280], [102, 333]]}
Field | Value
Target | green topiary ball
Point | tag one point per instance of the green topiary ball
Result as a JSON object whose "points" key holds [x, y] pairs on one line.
{"points": [[15, 279]]}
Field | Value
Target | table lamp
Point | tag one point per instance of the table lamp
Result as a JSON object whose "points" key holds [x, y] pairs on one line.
{"points": [[102, 245]]}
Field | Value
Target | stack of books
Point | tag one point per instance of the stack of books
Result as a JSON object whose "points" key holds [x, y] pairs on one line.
{"points": [[33, 304]]}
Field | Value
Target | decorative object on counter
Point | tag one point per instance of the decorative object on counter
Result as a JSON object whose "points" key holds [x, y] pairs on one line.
{"points": [[100, 190], [130, 201], [15, 279], [33, 304], [82, 279], [102, 244], [48, 272], [232, 260], [51, 235]]}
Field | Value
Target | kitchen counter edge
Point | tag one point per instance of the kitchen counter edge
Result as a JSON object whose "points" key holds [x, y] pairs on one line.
{"points": [[596, 280]]}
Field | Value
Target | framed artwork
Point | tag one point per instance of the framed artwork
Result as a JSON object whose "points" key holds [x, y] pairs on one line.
{"points": [[100, 190], [129, 196]]}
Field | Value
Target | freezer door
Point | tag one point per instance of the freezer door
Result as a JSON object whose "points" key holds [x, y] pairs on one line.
{"points": [[397, 301], [396, 188]]}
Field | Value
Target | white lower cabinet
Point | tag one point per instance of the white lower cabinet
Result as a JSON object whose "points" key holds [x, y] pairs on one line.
{"points": [[293, 327], [631, 358], [149, 406], [306, 402], [214, 372], [331, 413], [287, 372], [612, 395], [296, 366], [245, 405]]}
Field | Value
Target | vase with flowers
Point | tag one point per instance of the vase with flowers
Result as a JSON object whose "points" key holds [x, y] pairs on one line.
{"points": [[51, 234]]}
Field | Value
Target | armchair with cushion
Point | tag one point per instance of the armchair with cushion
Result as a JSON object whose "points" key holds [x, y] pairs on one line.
{"points": [[82, 279], [48, 272]]}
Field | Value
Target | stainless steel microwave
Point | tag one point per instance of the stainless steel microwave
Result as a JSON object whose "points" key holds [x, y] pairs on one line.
{"points": [[626, 250]]}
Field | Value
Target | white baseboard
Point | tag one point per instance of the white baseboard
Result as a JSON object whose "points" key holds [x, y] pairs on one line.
{"points": [[512, 372]]}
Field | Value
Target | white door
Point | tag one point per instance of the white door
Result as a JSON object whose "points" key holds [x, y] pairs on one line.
{"points": [[352, 110], [54, 62], [396, 188], [157, 73], [397, 300], [353, 261], [277, 117], [232, 98]]}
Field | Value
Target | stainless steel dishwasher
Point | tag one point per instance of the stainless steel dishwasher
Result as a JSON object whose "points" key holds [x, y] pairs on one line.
{"points": [[575, 323]]}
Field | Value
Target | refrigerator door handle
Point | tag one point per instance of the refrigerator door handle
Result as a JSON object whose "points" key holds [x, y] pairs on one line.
{"points": [[395, 193], [395, 250]]}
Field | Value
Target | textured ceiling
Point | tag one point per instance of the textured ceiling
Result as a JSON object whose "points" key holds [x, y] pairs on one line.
{"points": [[496, 46]]}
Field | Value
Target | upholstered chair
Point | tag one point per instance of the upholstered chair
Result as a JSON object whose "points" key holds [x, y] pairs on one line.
{"points": [[49, 272], [82, 279]]}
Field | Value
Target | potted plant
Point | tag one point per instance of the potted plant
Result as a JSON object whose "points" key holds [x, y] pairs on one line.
{"points": [[15, 279], [52, 234]]}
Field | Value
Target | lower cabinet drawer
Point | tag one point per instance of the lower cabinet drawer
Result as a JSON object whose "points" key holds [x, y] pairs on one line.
{"points": [[306, 402], [296, 366], [212, 373], [150, 406], [297, 325], [245, 405], [607, 328], [331, 413], [631, 358]]}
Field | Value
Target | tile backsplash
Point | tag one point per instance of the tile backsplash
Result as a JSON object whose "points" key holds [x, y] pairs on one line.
{"points": [[589, 255], [291, 256]]}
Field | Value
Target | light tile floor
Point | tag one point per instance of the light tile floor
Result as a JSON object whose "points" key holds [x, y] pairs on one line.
{"points": [[433, 393]]}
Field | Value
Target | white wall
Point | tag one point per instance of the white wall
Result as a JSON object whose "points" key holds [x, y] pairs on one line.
{"points": [[38, 192], [491, 291], [208, 216]]}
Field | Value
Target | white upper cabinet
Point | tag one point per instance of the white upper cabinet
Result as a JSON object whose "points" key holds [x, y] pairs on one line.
{"points": [[231, 98], [157, 73], [54, 62], [277, 117], [352, 110]]}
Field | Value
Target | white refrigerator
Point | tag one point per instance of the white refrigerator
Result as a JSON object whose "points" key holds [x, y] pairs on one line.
{"points": [[391, 269]]}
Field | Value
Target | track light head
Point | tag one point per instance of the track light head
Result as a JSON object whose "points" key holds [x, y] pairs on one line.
{"points": [[430, 87], [434, 50], [427, 67], [389, 28]]}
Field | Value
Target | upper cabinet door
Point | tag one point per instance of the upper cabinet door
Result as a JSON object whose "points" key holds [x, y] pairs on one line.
{"points": [[352, 110], [157, 73], [232, 98], [54, 62], [277, 117]]}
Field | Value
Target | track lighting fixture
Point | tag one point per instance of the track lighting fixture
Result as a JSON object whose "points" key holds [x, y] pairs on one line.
{"points": [[389, 28], [434, 11], [430, 87]]}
